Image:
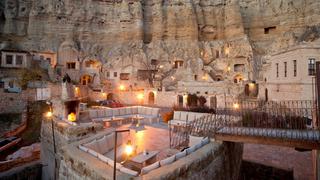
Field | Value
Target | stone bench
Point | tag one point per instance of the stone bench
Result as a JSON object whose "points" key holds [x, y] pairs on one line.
{"points": [[151, 115]]}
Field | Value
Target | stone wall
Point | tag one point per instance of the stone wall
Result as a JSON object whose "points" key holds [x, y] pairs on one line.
{"points": [[216, 161], [63, 135], [16, 102], [213, 161]]}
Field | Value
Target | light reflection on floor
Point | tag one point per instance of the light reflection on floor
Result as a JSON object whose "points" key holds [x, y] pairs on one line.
{"points": [[153, 138]]}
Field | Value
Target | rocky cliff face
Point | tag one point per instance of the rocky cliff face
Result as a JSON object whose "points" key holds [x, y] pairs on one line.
{"points": [[219, 32]]}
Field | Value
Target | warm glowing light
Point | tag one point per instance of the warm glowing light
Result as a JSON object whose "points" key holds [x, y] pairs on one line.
{"points": [[72, 117], [205, 77], [227, 50], [140, 96], [173, 78], [229, 68], [161, 66], [251, 85], [49, 114], [122, 88], [76, 91], [236, 106], [104, 94], [129, 148]]}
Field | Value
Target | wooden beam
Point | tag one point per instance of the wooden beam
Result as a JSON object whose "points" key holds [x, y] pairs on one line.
{"points": [[269, 141]]}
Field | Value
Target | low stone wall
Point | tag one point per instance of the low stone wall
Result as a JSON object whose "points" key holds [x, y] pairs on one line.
{"points": [[64, 134], [20, 128], [16, 102], [213, 161]]}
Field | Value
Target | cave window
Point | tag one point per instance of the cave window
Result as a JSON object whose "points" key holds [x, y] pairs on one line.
{"points": [[178, 64], [124, 76], [154, 62], [239, 68], [217, 54], [268, 30], [195, 77]]}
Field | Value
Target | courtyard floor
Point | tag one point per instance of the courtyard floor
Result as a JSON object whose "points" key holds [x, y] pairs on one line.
{"points": [[281, 157], [155, 137]]}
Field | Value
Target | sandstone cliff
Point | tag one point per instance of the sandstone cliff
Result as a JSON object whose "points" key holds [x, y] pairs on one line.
{"points": [[219, 32]]}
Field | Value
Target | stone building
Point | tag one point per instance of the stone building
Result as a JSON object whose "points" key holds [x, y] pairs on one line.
{"points": [[290, 74], [15, 59]]}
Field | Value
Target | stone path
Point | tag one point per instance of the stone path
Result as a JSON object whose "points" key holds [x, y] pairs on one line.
{"points": [[281, 157]]}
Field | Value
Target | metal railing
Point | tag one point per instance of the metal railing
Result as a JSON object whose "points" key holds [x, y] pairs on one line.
{"points": [[285, 115]]}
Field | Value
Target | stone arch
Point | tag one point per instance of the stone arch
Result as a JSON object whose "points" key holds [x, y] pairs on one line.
{"points": [[67, 52], [151, 98], [218, 78]]}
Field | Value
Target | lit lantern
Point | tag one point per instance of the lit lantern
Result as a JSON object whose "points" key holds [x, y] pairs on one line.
{"points": [[129, 148], [122, 88], [72, 117], [76, 91], [236, 106], [140, 96], [49, 114], [229, 69]]}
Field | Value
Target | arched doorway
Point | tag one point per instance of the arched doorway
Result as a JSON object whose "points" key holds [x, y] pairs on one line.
{"points": [[86, 79], [180, 101], [247, 90], [266, 94], [110, 96], [151, 98]]}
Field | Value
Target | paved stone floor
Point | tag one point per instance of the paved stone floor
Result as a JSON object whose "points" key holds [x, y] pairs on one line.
{"points": [[281, 157]]}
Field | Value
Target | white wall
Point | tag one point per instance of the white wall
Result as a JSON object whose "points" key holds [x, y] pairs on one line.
{"points": [[290, 87]]}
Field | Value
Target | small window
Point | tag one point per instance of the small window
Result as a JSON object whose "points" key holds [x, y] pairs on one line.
{"points": [[277, 69], [285, 69], [9, 59], [124, 76], [49, 60], [239, 68], [154, 62], [41, 58], [71, 65], [19, 60], [178, 64], [198, 92], [195, 77], [294, 68], [311, 67], [115, 74], [217, 54], [108, 74], [268, 30]]}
